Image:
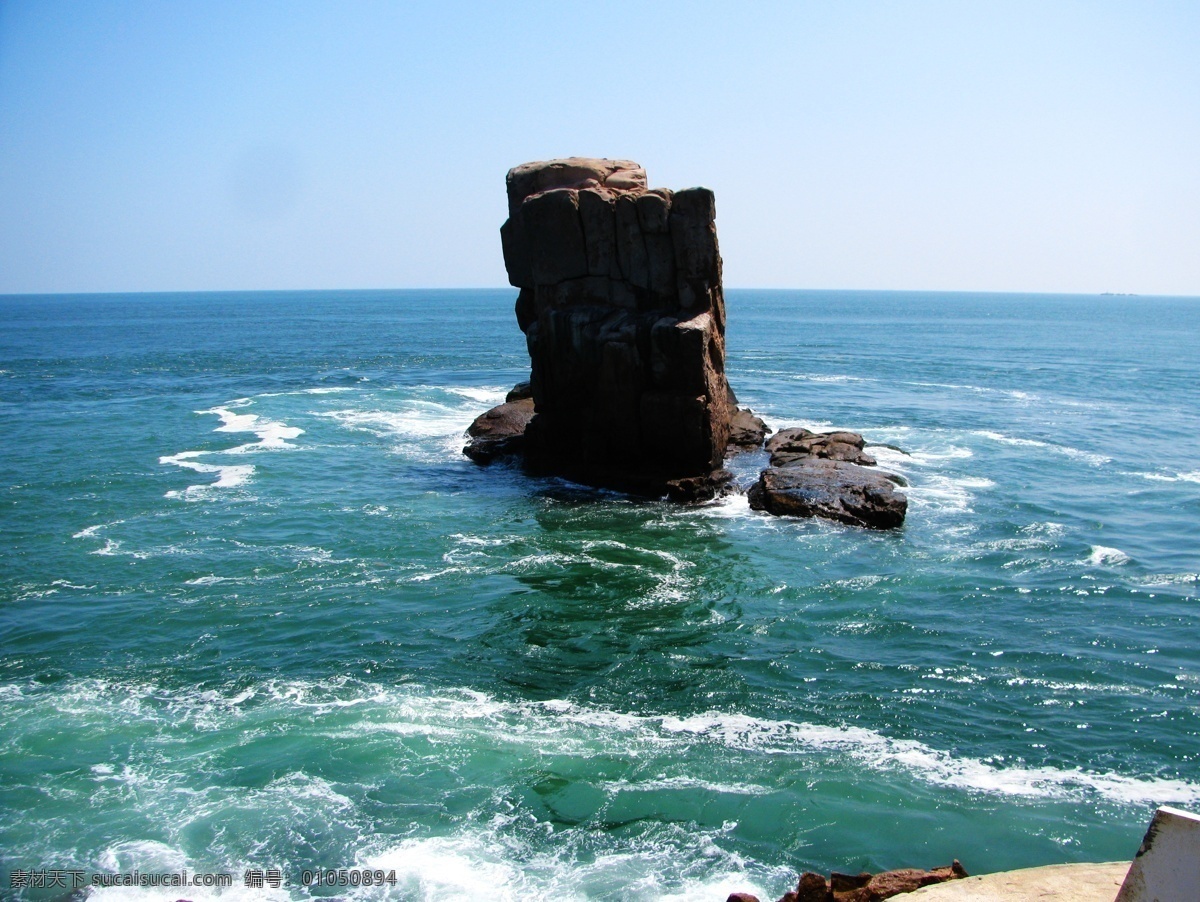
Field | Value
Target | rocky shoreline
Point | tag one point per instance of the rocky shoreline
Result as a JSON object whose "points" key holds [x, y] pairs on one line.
{"points": [[623, 312], [862, 887]]}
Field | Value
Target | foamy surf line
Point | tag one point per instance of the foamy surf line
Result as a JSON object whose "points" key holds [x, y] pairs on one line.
{"points": [[430, 421], [272, 436], [342, 708]]}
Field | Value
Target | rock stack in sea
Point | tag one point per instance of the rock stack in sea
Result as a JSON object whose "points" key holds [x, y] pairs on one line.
{"points": [[624, 316], [622, 309]]}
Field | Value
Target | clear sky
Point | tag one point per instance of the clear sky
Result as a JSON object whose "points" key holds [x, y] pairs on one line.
{"points": [[998, 146]]}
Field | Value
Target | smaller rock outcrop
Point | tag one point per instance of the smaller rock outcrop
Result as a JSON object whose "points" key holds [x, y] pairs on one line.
{"points": [[500, 431], [832, 489], [825, 474], [862, 887], [795, 444], [746, 430]]}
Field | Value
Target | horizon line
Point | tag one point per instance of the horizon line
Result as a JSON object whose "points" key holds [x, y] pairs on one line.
{"points": [[992, 291]]}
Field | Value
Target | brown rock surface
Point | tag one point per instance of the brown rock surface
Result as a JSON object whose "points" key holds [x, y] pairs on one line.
{"points": [[746, 431], [791, 445], [623, 313], [866, 887], [832, 489], [812, 888], [499, 431], [823, 474]]}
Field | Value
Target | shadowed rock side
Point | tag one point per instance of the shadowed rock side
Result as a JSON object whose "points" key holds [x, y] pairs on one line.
{"points": [[622, 309], [862, 887]]}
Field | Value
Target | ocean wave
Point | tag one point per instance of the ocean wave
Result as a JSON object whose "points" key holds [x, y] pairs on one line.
{"points": [[1011, 393], [494, 861], [228, 475], [272, 436], [834, 378], [1103, 556], [423, 430], [467, 717], [952, 494], [1190, 476], [489, 395], [1168, 579], [1096, 460], [90, 531]]}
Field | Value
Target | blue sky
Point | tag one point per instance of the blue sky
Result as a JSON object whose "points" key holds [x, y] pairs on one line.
{"points": [[1003, 146]]}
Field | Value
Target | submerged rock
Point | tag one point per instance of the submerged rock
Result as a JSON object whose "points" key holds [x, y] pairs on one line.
{"points": [[833, 489]]}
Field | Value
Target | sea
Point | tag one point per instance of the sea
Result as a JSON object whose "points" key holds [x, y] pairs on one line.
{"points": [[260, 617]]}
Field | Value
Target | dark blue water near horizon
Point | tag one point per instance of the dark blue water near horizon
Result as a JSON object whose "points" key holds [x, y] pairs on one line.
{"points": [[256, 609]]}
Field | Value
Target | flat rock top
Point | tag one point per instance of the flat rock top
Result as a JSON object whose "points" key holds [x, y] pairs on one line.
{"points": [[573, 172], [1054, 883]]}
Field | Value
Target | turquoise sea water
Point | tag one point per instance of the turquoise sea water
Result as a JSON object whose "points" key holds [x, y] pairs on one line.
{"points": [[257, 611]]}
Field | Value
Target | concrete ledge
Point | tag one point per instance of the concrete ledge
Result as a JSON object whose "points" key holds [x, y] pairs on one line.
{"points": [[1053, 883]]}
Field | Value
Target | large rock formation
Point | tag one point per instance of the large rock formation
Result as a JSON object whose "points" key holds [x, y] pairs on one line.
{"points": [[621, 305], [624, 316]]}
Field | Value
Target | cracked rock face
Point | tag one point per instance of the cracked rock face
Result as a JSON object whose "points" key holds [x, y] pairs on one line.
{"points": [[622, 309]]}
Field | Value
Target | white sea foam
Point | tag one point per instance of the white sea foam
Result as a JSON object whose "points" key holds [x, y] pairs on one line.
{"points": [[1169, 579], [930, 456], [934, 766], [212, 580], [228, 476], [1096, 460], [422, 430], [490, 395], [834, 378], [416, 421], [487, 861], [730, 507], [1191, 476], [415, 728], [1103, 556], [947, 493], [112, 548], [685, 783], [1014, 394], [272, 435]]}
